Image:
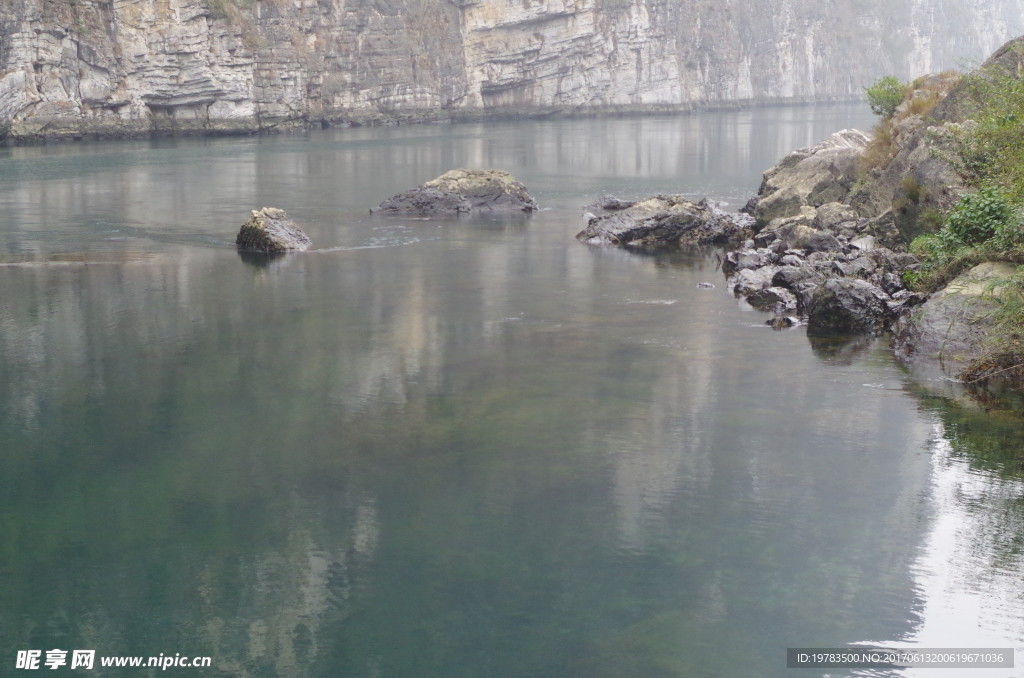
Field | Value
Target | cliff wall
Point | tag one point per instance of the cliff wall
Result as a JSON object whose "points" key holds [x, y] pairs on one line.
{"points": [[119, 67]]}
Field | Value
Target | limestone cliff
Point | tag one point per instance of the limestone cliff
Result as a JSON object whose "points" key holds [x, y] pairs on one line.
{"points": [[82, 67]]}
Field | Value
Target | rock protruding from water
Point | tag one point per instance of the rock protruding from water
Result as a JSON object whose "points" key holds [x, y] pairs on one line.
{"points": [[847, 306], [270, 230], [668, 220], [954, 323], [810, 176], [841, 282], [461, 191], [425, 202]]}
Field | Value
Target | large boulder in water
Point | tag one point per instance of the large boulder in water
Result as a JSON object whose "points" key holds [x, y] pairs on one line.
{"points": [[847, 306], [460, 191], [270, 230], [668, 220], [812, 176]]}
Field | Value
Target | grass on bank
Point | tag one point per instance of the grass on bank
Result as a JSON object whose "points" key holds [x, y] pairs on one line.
{"points": [[987, 150]]}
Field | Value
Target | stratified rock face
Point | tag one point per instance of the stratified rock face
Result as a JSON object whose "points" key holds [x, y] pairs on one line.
{"points": [[952, 325], [460, 191], [670, 220], [174, 66], [813, 176], [270, 230]]}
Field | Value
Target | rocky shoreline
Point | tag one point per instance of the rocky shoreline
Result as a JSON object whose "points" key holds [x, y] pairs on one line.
{"points": [[804, 261], [820, 270], [824, 242]]}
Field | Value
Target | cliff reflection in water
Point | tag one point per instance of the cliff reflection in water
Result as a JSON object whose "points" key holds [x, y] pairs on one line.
{"points": [[114, 195], [969, 568], [388, 461], [465, 448]]}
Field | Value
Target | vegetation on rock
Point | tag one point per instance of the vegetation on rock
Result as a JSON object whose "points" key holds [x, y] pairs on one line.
{"points": [[885, 95], [895, 102], [988, 148], [984, 143]]}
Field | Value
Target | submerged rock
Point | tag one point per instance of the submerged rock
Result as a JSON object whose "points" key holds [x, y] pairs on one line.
{"points": [[609, 204], [460, 191], [670, 220], [270, 230], [781, 322]]}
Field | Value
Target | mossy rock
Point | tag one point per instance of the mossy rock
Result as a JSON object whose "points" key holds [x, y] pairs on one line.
{"points": [[460, 191], [270, 230]]}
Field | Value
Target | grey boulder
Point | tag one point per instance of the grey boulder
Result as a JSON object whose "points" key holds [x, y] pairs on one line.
{"points": [[846, 306], [773, 298], [953, 324], [425, 202], [668, 220], [270, 230], [460, 191]]}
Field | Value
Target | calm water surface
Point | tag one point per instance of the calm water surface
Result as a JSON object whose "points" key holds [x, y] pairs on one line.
{"points": [[467, 448]]}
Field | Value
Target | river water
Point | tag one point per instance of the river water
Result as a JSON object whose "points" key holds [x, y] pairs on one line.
{"points": [[465, 448]]}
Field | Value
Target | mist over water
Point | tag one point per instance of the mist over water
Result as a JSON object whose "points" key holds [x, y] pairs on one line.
{"points": [[470, 447]]}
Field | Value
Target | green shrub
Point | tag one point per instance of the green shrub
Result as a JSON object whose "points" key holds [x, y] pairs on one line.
{"points": [[885, 95], [988, 147], [978, 216], [930, 219], [982, 226]]}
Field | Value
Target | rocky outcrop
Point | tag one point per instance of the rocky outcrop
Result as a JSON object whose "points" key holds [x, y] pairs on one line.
{"points": [[835, 257], [813, 176], [900, 182], [953, 324], [460, 191], [486, 190], [93, 67], [270, 230], [906, 192], [667, 221]]}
